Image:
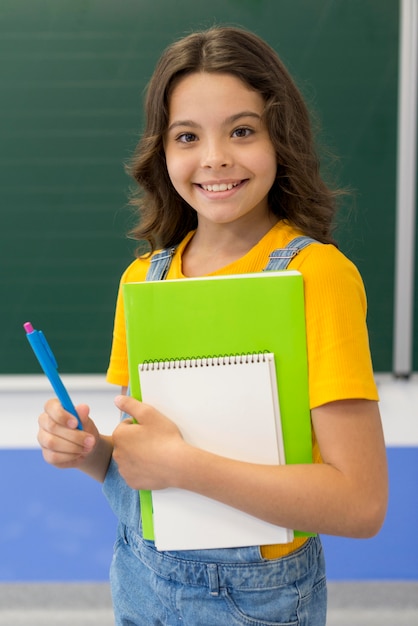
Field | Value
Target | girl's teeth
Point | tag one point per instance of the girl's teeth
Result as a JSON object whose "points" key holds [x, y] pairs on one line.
{"points": [[221, 187]]}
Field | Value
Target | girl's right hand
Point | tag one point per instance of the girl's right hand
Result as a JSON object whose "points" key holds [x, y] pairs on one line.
{"points": [[63, 444]]}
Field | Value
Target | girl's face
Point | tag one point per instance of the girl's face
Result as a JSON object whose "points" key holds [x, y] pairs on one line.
{"points": [[219, 155]]}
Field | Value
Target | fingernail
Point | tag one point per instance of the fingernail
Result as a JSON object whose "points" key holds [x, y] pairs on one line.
{"points": [[72, 423], [89, 442]]}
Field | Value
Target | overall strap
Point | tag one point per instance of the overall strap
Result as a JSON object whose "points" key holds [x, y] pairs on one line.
{"points": [[160, 264], [279, 259]]}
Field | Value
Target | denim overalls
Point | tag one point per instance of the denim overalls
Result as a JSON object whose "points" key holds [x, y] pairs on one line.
{"points": [[226, 587]]}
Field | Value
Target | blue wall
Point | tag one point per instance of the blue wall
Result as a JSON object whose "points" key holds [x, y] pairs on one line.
{"points": [[56, 525], [393, 554]]}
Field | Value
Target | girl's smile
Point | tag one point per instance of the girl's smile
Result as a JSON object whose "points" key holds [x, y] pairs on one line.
{"points": [[219, 155], [220, 189], [219, 186]]}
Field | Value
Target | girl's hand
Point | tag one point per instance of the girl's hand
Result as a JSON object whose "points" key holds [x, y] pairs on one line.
{"points": [[63, 444], [148, 452]]}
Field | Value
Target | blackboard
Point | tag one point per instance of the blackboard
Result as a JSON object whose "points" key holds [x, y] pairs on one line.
{"points": [[72, 76]]}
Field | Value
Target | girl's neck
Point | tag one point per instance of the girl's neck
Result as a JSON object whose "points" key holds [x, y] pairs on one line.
{"points": [[212, 248]]}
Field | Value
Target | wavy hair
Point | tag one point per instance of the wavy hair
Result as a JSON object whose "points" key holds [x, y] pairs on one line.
{"points": [[298, 195]]}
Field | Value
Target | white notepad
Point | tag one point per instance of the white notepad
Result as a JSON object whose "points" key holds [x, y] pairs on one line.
{"points": [[228, 406]]}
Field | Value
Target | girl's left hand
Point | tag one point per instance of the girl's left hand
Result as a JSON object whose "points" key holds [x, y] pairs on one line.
{"points": [[148, 447]]}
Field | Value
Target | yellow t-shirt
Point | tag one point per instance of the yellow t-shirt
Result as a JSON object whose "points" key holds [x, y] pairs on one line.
{"points": [[335, 306]]}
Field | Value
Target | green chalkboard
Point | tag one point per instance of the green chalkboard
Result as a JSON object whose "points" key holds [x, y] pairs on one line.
{"points": [[72, 75]]}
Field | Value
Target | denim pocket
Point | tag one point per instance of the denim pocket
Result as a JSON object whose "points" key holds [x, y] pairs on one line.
{"points": [[277, 606], [313, 605]]}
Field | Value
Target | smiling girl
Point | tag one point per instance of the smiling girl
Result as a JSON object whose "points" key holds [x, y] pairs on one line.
{"points": [[227, 172]]}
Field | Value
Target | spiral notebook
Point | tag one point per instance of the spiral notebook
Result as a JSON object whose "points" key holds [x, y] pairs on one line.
{"points": [[215, 315], [225, 405]]}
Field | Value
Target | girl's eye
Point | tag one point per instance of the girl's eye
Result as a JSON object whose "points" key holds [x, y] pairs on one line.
{"points": [[186, 138], [242, 132]]}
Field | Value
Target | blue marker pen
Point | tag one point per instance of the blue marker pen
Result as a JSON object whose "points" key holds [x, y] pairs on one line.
{"points": [[49, 365]]}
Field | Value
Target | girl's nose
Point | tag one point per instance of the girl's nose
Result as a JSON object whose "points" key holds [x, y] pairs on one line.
{"points": [[216, 155]]}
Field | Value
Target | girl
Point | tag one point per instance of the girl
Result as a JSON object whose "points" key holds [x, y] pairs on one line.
{"points": [[228, 173]]}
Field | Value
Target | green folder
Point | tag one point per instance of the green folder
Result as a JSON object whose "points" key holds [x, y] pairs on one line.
{"points": [[223, 315]]}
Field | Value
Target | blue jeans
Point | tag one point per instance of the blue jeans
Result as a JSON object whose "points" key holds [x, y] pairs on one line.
{"points": [[228, 587]]}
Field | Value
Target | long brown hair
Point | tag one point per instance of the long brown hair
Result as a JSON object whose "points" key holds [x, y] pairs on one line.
{"points": [[299, 194]]}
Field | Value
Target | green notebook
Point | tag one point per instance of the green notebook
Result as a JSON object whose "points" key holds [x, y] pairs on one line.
{"points": [[226, 315]]}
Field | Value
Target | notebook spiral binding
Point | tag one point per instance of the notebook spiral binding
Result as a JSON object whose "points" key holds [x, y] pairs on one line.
{"points": [[206, 361]]}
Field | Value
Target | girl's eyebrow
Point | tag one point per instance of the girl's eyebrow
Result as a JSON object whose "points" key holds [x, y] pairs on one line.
{"points": [[229, 120]]}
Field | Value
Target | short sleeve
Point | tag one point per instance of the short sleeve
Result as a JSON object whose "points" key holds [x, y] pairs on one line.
{"points": [[340, 365], [117, 372]]}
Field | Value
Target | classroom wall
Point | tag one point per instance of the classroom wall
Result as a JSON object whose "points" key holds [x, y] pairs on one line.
{"points": [[72, 75]]}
